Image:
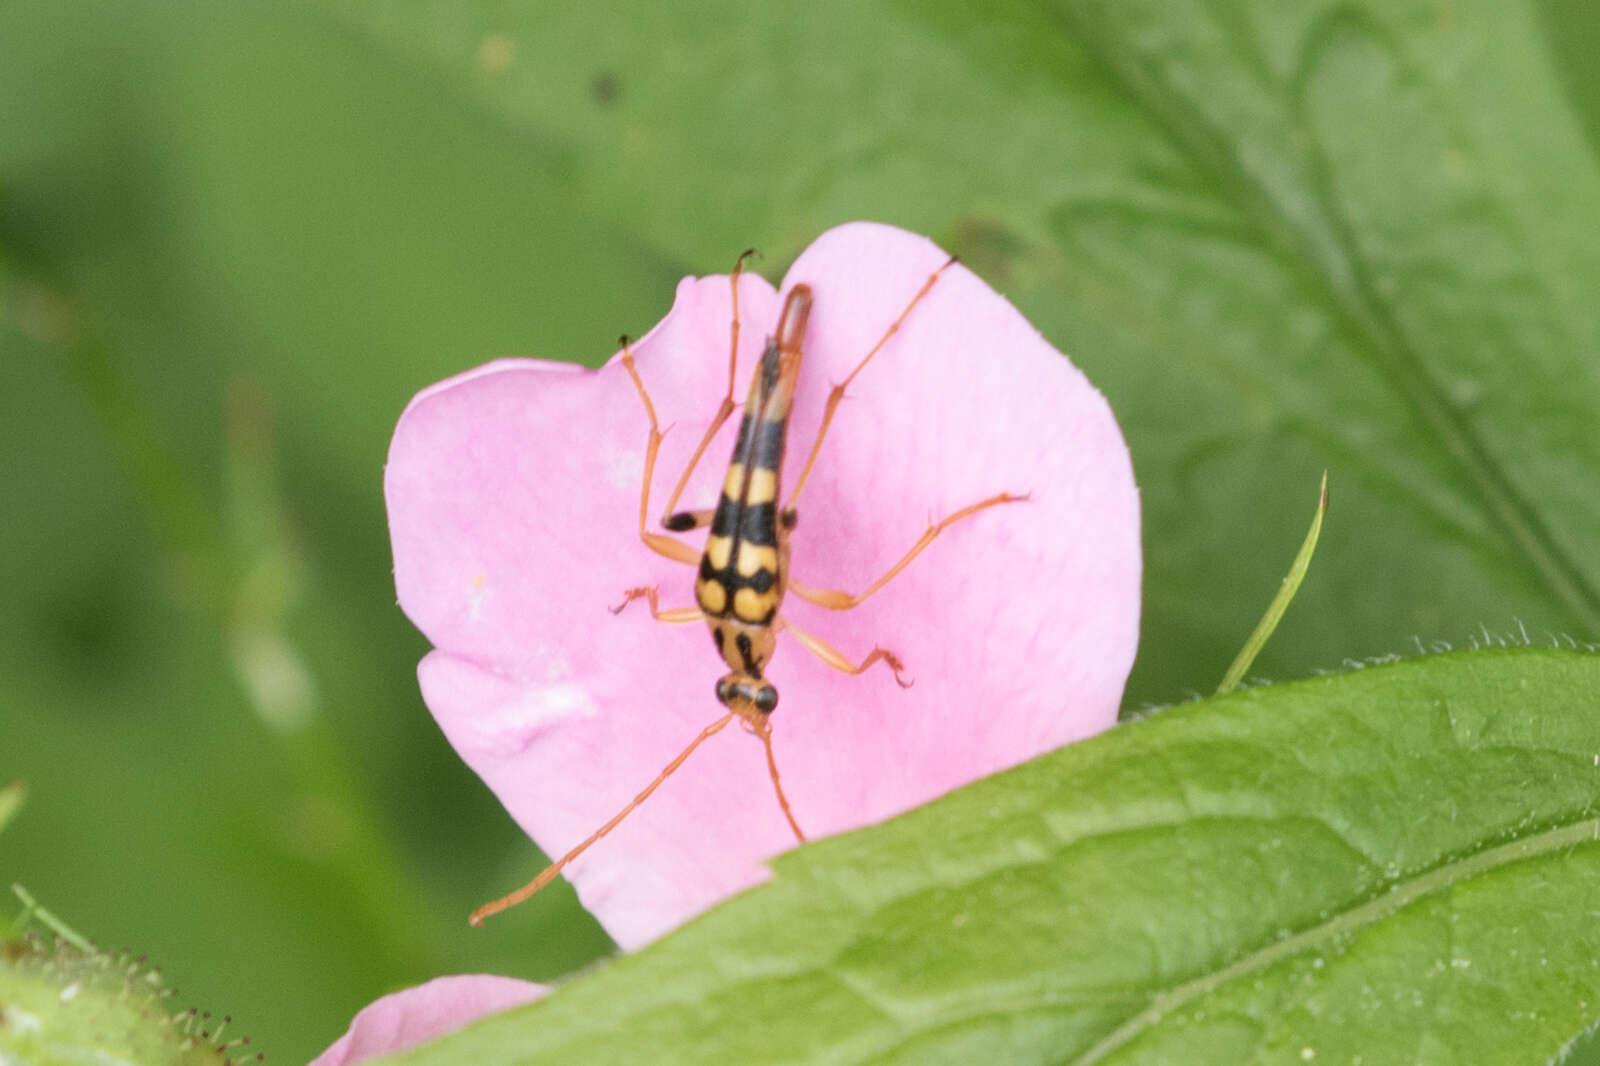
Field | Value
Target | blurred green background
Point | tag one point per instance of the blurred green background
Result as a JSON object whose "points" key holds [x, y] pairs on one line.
{"points": [[235, 239]]}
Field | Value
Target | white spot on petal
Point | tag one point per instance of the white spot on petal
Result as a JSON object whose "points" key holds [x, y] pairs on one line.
{"points": [[557, 667], [478, 593], [624, 469], [509, 728], [559, 701]]}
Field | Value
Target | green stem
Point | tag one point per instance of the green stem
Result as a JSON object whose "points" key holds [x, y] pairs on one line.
{"points": [[1280, 602], [31, 909]]}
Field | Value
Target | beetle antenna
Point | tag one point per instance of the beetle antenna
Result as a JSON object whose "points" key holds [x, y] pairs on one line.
{"points": [[764, 731], [554, 869]]}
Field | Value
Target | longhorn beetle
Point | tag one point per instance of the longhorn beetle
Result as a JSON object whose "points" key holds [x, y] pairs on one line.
{"points": [[744, 568]]}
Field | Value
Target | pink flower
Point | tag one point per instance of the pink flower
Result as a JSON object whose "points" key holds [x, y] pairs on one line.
{"points": [[416, 1015], [513, 494]]}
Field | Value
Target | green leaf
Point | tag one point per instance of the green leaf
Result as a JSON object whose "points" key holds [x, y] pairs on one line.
{"points": [[1398, 865], [1281, 237]]}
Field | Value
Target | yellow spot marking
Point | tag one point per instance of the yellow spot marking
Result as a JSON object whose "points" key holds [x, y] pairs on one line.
{"points": [[752, 606], [754, 558], [763, 486], [718, 550], [735, 481], [711, 596]]}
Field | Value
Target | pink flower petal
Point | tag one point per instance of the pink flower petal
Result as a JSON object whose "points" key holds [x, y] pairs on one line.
{"points": [[513, 501], [415, 1015]]}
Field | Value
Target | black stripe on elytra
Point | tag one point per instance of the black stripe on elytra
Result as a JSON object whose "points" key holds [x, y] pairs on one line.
{"points": [[759, 524], [726, 519], [766, 451], [743, 440], [750, 435], [747, 654], [732, 581], [769, 368]]}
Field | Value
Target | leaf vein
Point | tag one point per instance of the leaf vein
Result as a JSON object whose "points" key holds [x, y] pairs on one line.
{"points": [[1402, 894], [1342, 275]]}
